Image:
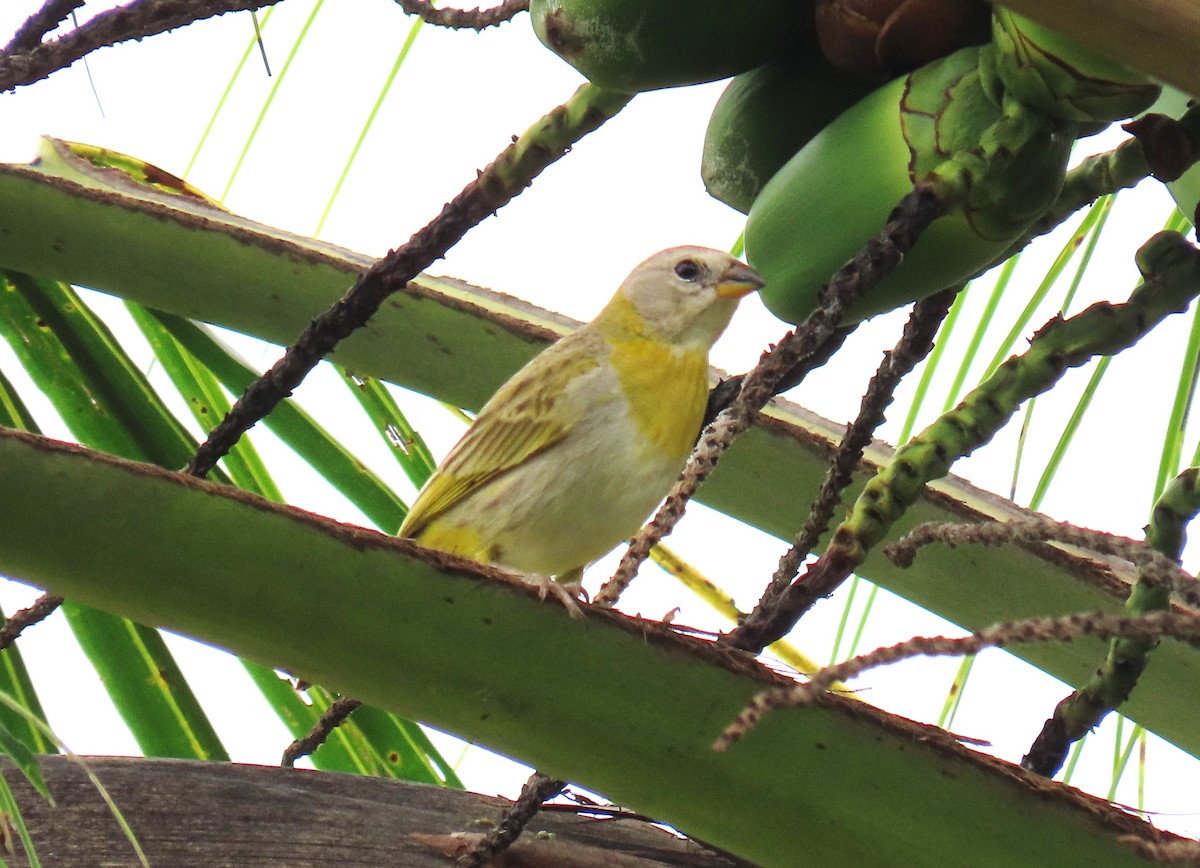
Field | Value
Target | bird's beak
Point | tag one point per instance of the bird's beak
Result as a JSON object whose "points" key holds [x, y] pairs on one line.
{"points": [[737, 281]]}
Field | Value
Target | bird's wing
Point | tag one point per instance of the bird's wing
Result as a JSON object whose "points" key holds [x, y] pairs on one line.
{"points": [[529, 414]]}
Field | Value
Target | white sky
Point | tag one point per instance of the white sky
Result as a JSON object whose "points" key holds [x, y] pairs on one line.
{"points": [[626, 191]]}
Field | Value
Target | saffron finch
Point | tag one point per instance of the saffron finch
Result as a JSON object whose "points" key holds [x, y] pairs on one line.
{"points": [[573, 453]]}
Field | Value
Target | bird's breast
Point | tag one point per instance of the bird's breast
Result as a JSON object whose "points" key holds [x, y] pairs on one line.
{"points": [[665, 389]]}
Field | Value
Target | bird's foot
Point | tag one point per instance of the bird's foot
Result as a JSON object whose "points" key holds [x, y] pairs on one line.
{"points": [[568, 590]]}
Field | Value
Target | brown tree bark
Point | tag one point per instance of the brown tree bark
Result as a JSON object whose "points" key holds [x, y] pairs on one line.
{"points": [[198, 814]]}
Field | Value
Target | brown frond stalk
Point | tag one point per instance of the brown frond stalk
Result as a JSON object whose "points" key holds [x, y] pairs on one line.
{"points": [[335, 715], [1157, 568], [1184, 626], [913, 346], [42, 608], [135, 20], [538, 789], [464, 19], [29, 35]]}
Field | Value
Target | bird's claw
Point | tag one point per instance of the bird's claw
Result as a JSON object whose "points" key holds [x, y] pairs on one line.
{"points": [[567, 592]]}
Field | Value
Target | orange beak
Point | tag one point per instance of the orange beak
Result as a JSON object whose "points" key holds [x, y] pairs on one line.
{"points": [[737, 281]]}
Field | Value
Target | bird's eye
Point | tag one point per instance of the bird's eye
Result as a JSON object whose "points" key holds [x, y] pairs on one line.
{"points": [[687, 269]]}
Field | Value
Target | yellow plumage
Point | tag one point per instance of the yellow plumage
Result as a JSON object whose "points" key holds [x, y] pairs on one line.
{"points": [[572, 454]]}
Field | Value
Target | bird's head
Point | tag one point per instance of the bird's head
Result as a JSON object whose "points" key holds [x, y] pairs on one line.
{"points": [[683, 295]]}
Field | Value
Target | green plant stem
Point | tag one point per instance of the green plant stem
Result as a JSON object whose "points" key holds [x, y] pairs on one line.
{"points": [[1171, 268], [1083, 710]]}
